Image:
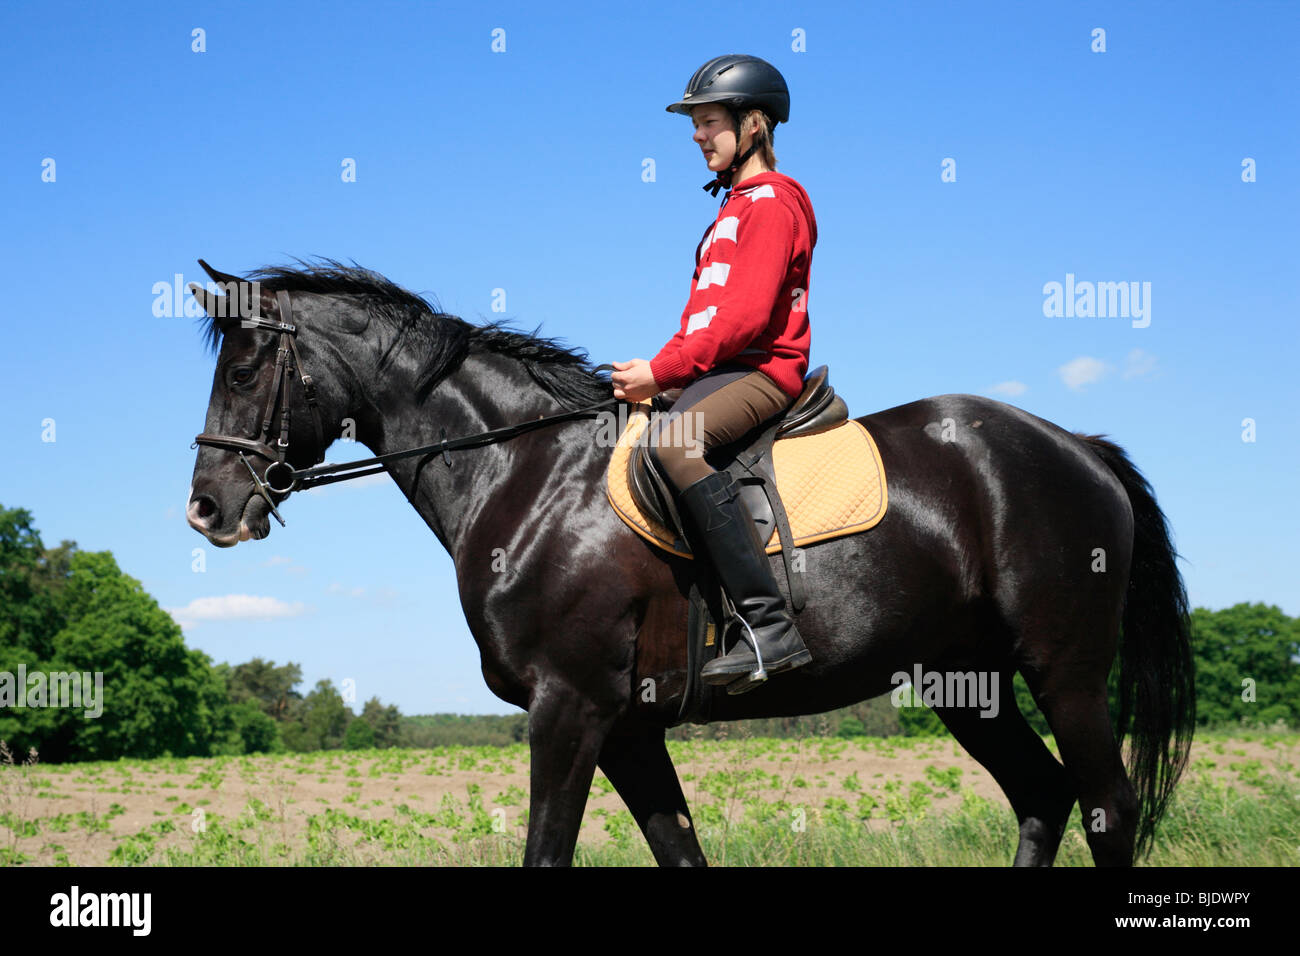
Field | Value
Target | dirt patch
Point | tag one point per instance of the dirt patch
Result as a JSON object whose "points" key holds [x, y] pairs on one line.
{"points": [[89, 814]]}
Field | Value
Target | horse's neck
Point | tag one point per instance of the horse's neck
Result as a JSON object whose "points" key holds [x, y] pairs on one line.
{"points": [[486, 392]]}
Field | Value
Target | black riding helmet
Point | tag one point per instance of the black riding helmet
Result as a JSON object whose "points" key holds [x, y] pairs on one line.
{"points": [[740, 83]]}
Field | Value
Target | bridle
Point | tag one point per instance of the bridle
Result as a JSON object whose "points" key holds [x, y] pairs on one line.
{"points": [[287, 359], [281, 478]]}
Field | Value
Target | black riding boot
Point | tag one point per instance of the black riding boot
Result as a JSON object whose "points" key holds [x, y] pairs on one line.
{"points": [[737, 555]]}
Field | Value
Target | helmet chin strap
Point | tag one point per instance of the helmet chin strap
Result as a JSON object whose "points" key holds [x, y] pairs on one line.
{"points": [[723, 178]]}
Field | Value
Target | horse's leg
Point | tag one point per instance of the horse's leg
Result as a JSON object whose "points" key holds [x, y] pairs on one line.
{"points": [[1066, 654], [565, 736], [1080, 721], [637, 764], [1040, 791]]}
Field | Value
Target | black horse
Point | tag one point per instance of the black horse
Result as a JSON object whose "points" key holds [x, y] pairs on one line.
{"points": [[1009, 545]]}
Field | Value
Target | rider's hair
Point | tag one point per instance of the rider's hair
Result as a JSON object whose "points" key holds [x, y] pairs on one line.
{"points": [[767, 129]]}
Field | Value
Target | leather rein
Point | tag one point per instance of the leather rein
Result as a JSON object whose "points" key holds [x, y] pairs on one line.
{"points": [[281, 478]]}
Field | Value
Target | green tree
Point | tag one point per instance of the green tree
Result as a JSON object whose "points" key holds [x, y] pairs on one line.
{"points": [[31, 584], [1243, 651], [917, 720], [158, 695], [318, 721], [74, 611], [254, 730], [851, 727], [51, 731], [270, 687], [359, 735], [385, 722]]}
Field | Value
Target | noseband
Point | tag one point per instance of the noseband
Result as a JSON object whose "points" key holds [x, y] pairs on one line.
{"points": [[287, 360], [281, 478]]}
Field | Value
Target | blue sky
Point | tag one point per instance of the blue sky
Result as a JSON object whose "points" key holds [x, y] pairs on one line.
{"points": [[522, 170]]}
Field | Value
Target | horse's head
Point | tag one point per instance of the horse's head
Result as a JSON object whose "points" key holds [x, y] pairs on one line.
{"points": [[264, 415]]}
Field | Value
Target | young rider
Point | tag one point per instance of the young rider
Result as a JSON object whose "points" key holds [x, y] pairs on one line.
{"points": [[742, 350]]}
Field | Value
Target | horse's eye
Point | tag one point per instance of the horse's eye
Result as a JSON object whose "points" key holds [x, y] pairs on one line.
{"points": [[242, 376]]}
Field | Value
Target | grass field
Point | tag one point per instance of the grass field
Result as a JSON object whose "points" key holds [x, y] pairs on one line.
{"points": [[895, 801]]}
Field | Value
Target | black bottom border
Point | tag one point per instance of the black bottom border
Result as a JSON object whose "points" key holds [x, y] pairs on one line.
{"points": [[949, 904]]}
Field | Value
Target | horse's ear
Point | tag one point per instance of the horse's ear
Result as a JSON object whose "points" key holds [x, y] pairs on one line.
{"points": [[220, 277], [214, 305], [234, 304]]}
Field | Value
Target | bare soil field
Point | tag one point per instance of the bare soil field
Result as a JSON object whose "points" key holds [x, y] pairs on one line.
{"points": [[132, 811]]}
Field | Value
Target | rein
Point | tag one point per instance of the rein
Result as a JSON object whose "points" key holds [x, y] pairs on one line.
{"points": [[282, 478], [306, 478]]}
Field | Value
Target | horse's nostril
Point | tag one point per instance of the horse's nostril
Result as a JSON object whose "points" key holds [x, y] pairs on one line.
{"points": [[202, 507]]}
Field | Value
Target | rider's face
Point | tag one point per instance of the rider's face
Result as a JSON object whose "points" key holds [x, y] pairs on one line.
{"points": [[714, 135]]}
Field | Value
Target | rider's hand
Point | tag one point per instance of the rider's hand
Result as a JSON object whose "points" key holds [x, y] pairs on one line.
{"points": [[634, 382]]}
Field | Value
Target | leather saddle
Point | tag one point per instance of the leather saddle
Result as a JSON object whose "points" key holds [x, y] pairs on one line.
{"points": [[749, 461]]}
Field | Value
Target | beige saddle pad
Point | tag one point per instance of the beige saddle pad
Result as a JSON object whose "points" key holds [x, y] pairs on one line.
{"points": [[832, 483]]}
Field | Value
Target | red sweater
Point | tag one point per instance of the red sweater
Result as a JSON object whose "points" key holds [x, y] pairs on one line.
{"points": [[749, 294]]}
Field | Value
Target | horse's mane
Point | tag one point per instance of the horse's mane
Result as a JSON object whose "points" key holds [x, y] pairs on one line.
{"points": [[444, 339]]}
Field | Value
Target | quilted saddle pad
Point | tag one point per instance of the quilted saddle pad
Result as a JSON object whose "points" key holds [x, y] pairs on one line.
{"points": [[832, 484]]}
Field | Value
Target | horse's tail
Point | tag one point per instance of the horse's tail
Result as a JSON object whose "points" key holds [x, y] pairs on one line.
{"points": [[1157, 687]]}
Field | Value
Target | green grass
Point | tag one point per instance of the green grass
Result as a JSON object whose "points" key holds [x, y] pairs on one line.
{"points": [[787, 803], [1209, 824]]}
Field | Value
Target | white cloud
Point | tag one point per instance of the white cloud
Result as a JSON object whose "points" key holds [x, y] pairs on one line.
{"points": [[336, 588], [231, 607], [286, 562], [1011, 388], [380, 597], [1139, 364], [1085, 370]]}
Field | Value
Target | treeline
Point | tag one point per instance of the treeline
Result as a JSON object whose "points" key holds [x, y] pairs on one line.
{"points": [[271, 715], [67, 611], [73, 613], [1246, 660], [321, 720], [448, 730]]}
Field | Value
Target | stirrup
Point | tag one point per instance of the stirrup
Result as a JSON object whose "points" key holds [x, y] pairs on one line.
{"points": [[759, 674]]}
